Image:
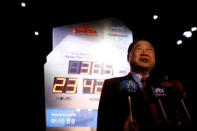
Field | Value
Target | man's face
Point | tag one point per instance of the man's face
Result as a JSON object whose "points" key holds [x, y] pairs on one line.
{"points": [[142, 55]]}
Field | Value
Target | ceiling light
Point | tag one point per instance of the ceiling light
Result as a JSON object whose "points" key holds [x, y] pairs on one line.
{"points": [[23, 4], [36, 33], [179, 42], [187, 34], [155, 17], [193, 29]]}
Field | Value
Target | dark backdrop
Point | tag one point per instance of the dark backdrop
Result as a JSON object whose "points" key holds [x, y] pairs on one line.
{"points": [[26, 53]]}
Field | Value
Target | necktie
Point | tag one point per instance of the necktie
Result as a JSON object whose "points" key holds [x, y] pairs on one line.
{"points": [[143, 80], [152, 106]]}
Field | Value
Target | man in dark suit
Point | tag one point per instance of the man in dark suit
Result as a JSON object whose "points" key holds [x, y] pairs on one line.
{"points": [[149, 111]]}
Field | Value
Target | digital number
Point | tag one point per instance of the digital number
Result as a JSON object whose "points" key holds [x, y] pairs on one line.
{"points": [[74, 67], [85, 68], [58, 85], [65, 85], [92, 86], [96, 68], [98, 86], [71, 85], [108, 69], [88, 85], [89, 68]]}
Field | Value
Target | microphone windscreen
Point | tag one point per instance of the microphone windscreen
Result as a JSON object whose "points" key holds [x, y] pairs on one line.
{"points": [[128, 86], [158, 91], [178, 86]]}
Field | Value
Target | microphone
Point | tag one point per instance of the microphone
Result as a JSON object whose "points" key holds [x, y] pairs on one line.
{"points": [[159, 92], [178, 87], [129, 87]]}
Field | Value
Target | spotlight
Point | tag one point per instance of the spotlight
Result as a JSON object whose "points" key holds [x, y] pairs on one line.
{"points": [[193, 29], [23, 4], [179, 42], [187, 34], [155, 17], [36, 33]]}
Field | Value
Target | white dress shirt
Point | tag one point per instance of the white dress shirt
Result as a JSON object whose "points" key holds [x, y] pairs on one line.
{"points": [[137, 78]]}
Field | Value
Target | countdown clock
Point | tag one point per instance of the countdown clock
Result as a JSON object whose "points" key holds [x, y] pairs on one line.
{"points": [[83, 56]]}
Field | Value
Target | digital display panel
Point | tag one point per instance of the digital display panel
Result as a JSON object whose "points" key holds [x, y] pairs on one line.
{"points": [[92, 86], [65, 85], [69, 85], [89, 68], [83, 56]]}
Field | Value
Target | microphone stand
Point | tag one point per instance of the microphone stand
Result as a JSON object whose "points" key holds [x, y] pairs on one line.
{"points": [[186, 110], [130, 110], [162, 109]]}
